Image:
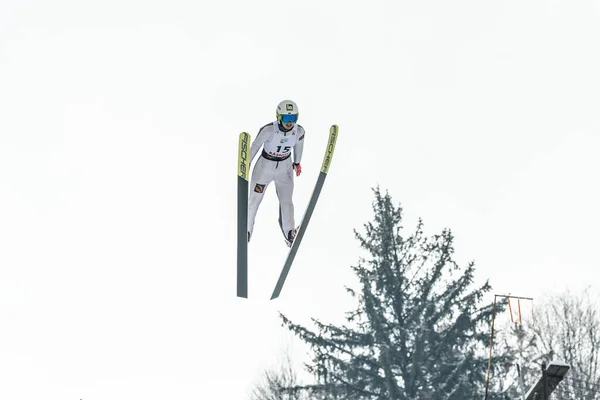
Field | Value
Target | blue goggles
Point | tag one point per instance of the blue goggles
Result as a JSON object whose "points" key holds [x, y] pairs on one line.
{"points": [[289, 118]]}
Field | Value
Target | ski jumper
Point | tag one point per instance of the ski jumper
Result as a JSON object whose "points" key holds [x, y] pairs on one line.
{"points": [[275, 165]]}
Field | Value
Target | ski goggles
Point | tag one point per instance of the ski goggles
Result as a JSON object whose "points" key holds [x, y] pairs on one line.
{"points": [[289, 118]]}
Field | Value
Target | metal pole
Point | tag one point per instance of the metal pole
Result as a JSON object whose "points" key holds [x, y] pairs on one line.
{"points": [[521, 382], [487, 383], [545, 390]]}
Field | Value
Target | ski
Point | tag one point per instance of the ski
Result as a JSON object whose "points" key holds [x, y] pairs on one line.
{"points": [[242, 211], [333, 134]]}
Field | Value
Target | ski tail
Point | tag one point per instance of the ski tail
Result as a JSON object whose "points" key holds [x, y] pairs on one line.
{"points": [[333, 135], [242, 211]]}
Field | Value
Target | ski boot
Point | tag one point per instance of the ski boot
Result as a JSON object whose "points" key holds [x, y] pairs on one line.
{"points": [[291, 236]]}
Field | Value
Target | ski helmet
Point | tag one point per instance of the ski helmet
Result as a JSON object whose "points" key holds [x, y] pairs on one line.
{"points": [[287, 111]]}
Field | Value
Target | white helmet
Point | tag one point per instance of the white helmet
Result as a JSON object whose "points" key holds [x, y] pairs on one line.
{"points": [[287, 111]]}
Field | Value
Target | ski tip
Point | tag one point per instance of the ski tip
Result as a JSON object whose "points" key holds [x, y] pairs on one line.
{"points": [[333, 134], [243, 156]]}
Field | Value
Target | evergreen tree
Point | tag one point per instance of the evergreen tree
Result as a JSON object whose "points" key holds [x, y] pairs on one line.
{"points": [[419, 330]]}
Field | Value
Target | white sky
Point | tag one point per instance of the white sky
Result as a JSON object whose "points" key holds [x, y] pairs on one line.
{"points": [[119, 123]]}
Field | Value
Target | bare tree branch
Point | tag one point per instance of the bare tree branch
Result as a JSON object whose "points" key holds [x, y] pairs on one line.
{"points": [[279, 383]]}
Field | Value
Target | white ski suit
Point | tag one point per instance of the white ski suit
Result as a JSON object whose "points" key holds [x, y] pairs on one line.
{"points": [[275, 165]]}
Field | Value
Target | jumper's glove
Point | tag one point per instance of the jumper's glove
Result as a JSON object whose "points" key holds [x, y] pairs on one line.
{"points": [[298, 168]]}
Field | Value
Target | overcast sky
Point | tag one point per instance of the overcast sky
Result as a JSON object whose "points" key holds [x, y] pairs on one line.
{"points": [[119, 123]]}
